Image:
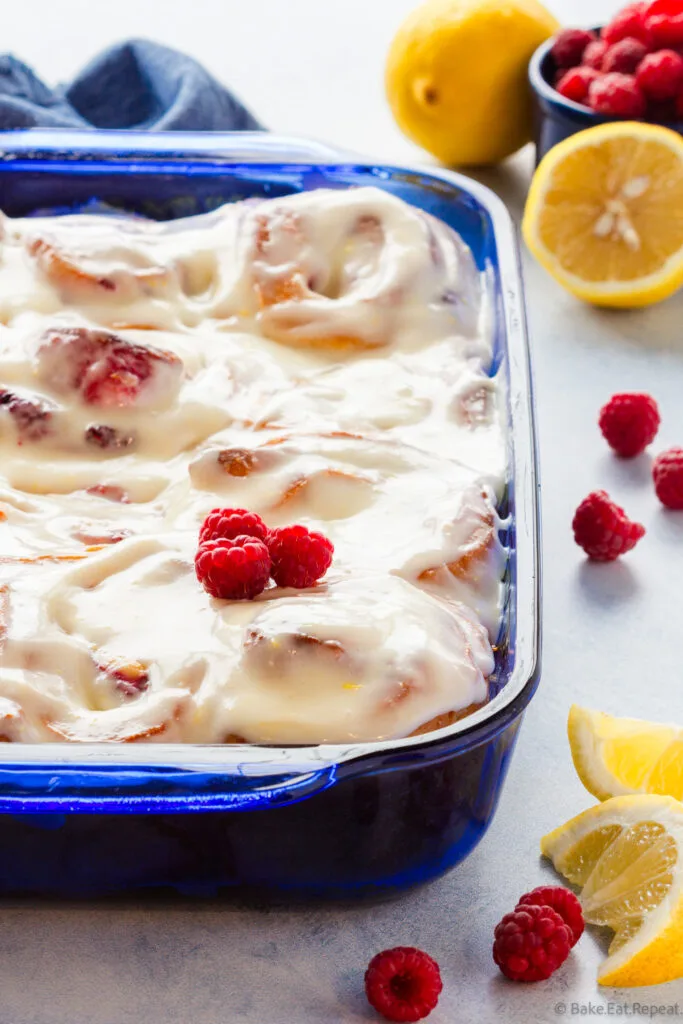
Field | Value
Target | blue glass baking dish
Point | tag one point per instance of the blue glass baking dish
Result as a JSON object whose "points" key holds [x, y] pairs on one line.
{"points": [[364, 819]]}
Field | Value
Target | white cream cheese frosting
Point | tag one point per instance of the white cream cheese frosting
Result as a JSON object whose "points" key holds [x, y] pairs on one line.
{"points": [[320, 358]]}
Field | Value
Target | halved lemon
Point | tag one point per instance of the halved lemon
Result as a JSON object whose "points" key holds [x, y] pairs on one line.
{"points": [[604, 214], [615, 756], [626, 855]]}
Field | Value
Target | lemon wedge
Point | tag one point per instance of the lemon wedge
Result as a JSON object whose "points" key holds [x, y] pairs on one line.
{"points": [[615, 756], [604, 214], [626, 855]]}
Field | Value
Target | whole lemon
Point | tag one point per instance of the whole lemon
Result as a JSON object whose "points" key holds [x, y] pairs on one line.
{"points": [[456, 76]]}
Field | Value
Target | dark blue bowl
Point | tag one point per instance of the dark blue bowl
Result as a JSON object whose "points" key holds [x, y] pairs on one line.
{"points": [[361, 819], [556, 118]]}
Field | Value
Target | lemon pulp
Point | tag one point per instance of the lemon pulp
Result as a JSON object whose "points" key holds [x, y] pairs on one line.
{"points": [[626, 856], [615, 756], [605, 213]]}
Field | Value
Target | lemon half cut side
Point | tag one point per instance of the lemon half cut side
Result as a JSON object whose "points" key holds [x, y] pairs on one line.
{"points": [[604, 214]]}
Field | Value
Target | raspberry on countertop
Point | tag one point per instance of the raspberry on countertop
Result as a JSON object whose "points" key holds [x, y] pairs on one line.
{"points": [[629, 422], [603, 529], [667, 472], [531, 943], [562, 901], [403, 984]]}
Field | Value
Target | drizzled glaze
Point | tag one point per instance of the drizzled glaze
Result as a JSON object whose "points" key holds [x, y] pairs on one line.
{"points": [[319, 359]]}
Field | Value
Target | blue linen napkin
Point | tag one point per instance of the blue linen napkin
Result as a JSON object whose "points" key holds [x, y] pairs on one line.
{"points": [[136, 84]]}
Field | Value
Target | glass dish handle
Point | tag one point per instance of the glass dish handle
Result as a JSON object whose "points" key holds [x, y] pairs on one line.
{"points": [[233, 147], [58, 789]]}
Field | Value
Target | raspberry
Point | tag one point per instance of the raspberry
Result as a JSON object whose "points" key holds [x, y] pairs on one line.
{"points": [[107, 438], [616, 95], [299, 556], [129, 679], [624, 56], [531, 943], [664, 21], [104, 369], [629, 423], [631, 21], [562, 901], [403, 984], [110, 492], [668, 476], [574, 84], [233, 569], [231, 523], [32, 416], [594, 54], [569, 46], [603, 530], [660, 75]]}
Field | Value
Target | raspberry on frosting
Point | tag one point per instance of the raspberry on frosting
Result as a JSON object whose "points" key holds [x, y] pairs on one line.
{"points": [[231, 523], [229, 567], [299, 556], [403, 984], [233, 569], [603, 529], [531, 943]]}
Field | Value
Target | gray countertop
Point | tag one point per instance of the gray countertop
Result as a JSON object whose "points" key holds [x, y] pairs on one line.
{"points": [[611, 632]]}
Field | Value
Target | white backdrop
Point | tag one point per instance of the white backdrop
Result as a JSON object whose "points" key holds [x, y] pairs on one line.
{"points": [[312, 67]]}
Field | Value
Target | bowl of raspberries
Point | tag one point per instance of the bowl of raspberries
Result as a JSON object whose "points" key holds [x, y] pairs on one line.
{"points": [[630, 69]]}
